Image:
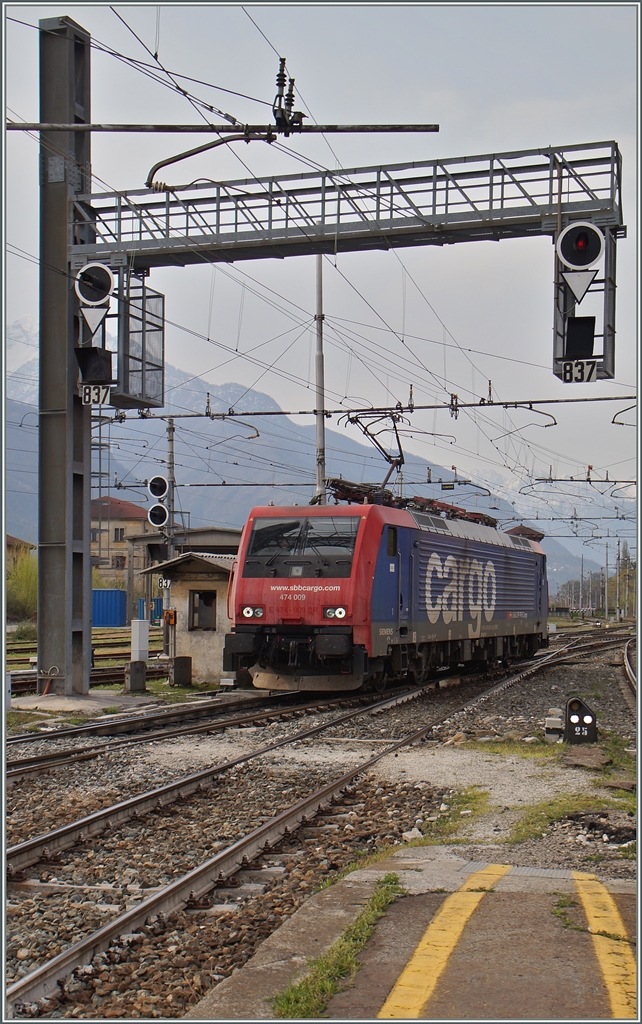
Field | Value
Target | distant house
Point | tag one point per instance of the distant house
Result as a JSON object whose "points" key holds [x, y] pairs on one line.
{"points": [[15, 548], [113, 522]]}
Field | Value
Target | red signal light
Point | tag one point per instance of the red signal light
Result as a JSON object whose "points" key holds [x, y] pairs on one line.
{"points": [[581, 242]]}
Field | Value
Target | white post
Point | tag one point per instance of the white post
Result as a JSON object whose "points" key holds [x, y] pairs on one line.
{"points": [[140, 639]]}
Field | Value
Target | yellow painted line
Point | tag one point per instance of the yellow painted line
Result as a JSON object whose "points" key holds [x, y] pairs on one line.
{"points": [[615, 956], [417, 981]]}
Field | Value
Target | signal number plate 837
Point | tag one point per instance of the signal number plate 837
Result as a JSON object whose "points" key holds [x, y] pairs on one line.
{"points": [[94, 394], [579, 371]]}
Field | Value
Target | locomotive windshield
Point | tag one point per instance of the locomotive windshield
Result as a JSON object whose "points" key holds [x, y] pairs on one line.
{"points": [[309, 546]]}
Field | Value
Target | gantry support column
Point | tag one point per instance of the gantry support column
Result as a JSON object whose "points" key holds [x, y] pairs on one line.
{"points": [[64, 461]]}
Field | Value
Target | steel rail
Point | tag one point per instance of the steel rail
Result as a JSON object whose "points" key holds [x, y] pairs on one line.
{"points": [[25, 854], [630, 668], [203, 878]]}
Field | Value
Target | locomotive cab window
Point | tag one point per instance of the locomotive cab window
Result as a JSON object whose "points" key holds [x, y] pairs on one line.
{"points": [[392, 541], [202, 609], [309, 546]]}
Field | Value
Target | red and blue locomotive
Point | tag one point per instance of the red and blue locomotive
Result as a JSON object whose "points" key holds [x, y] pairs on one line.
{"points": [[335, 597]]}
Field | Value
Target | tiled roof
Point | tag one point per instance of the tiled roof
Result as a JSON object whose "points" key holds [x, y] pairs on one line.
{"points": [[217, 561], [15, 542], [116, 508]]}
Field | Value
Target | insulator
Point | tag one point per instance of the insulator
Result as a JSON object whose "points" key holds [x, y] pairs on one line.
{"points": [[281, 76]]}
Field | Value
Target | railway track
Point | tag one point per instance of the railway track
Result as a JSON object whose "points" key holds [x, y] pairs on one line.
{"points": [[192, 886], [24, 682], [22, 767], [106, 647], [630, 665], [18, 768]]}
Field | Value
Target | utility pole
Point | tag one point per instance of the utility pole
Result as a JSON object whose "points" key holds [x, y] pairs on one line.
{"points": [[606, 586], [171, 484], [168, 643], [617, 583], [320, 382], [582, 587], [64, 457]]}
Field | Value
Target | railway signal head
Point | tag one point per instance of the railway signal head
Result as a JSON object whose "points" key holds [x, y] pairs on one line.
{"points": [[580, 245], [94, 284], [158, 515], [580, 726], [157, 487]]}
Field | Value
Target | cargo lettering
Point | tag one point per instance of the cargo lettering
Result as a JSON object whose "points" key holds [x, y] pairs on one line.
{"points": [[470, 587]]}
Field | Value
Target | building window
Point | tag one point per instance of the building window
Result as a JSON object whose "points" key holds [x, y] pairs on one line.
{"points": [[119, 533], [202, 609], [94, 536], [119, 561]]}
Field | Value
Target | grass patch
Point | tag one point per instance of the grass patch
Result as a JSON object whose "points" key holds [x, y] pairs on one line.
{"points": [[176, 694], [507, 747], [471, 799], [614, 747], [559, 910], [535, 819], [309, 998], [17, 719], [112, 710], [363, 860], [630, 852]]}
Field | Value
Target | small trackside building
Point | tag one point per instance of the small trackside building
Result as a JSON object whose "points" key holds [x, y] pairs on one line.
{"points": [[198, 593]]}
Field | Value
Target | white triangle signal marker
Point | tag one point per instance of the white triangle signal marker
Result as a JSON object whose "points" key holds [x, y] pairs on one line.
{"points": [[579, 282], [94, 316]]}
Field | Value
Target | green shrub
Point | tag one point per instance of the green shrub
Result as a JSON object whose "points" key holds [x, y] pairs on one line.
{"points": [[22, 587], [27, 631]]}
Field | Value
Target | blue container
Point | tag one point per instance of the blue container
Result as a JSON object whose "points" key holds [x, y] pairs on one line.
{"points": [[155, 611], [109, 607]]}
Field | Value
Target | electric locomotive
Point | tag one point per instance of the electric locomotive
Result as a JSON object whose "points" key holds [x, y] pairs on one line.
{"points": [[334, 597]]}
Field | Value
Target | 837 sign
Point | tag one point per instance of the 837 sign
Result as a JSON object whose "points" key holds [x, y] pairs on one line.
{"points": [[579, 371], [95, 394]]}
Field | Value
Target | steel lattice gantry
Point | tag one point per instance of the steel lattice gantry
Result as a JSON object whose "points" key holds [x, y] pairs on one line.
{"points": [[432, 202]]}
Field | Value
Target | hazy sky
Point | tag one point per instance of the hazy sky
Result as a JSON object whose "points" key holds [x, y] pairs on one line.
{"points": [[496, 78]]}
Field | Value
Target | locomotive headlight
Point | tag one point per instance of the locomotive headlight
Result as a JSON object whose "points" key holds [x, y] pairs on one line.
{"points": [[334, 613], [575, 719], [248, 612], [258, 613]]}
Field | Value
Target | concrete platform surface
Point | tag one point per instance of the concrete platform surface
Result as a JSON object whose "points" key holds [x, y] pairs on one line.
{"points": [[513, 959], [98, 699], [85, 703]]}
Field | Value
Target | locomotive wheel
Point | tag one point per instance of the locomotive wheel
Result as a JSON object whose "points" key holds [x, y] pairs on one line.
{"points": [[379, 682]]}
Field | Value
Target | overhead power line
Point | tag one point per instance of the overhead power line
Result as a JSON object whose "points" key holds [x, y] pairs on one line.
{"points": [[390, 409], [226, 129]]}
